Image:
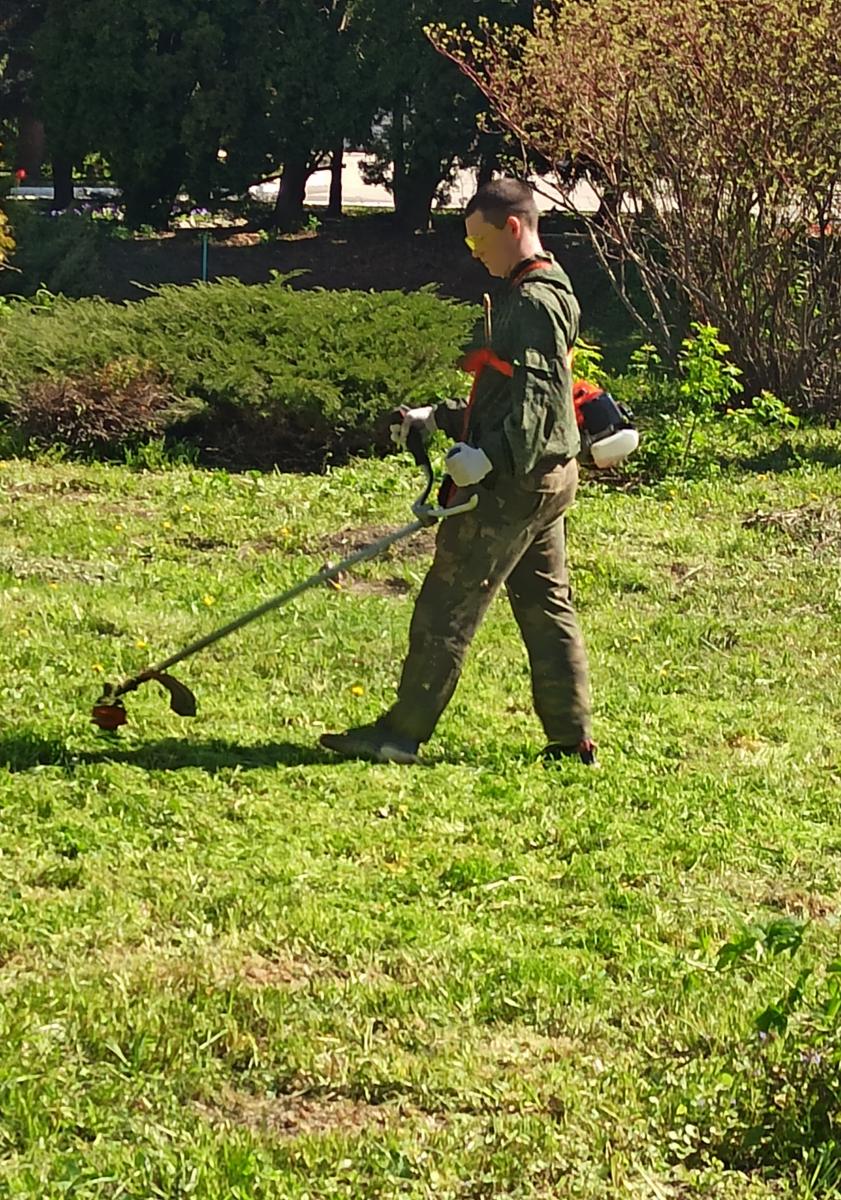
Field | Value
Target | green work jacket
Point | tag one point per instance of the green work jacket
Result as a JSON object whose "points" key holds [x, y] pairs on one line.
{"points": [[522, 419]]}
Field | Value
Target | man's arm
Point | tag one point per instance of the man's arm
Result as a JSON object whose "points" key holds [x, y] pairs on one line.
{"points": [[538, 418]]}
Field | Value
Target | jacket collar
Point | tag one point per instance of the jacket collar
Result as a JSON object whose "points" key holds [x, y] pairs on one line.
{"points": [[526, 264]]}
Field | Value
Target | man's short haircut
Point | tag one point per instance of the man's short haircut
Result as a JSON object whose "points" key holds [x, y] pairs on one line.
{"points": [[504, 198]]}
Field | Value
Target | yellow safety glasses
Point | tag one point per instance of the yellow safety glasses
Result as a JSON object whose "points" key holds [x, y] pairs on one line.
{"points": [[475, 243]]}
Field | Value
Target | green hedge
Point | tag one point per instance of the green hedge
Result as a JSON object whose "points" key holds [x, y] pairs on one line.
{"points": [[66, 253], [279, 376]]}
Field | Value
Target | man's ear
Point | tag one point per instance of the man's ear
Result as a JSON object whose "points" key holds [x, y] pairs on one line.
{"points": [[515, 225]]}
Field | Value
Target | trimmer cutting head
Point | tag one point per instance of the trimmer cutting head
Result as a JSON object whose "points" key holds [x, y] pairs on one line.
{"points": [[109, 712], [109, 716]]}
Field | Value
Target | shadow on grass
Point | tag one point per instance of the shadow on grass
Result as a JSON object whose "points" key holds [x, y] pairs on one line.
{"points": [[787, 456], [25, 750], [175, 755]]}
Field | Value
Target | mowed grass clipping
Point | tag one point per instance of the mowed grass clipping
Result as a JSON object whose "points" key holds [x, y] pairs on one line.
{"points": [[234, 966]]}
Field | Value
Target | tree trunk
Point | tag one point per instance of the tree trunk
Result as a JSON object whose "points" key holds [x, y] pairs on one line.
{"points": [[149, 197], [487, 165], [398, 149], [31, 142], [289, 210], [62, 182], [147, 204], [413, 202], [142, 205], [334, 207]]}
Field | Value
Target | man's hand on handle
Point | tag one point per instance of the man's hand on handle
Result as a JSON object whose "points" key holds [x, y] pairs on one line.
{"points": [[467, 465]]}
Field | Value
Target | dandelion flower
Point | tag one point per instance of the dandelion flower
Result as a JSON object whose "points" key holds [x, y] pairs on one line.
{"points": [[208, 600], [356, 690]]}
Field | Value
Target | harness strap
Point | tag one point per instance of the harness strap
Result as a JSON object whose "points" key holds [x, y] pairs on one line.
{"points": [[475, 363]]}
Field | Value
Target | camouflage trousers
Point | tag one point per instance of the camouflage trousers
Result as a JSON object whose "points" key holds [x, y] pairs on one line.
{"points": [[514, 537]]}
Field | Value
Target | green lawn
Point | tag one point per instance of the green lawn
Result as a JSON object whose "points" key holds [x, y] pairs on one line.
{"points": [[233, 966]]}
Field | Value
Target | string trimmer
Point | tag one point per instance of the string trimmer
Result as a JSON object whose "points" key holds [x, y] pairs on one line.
{"points": [[109, 711]]}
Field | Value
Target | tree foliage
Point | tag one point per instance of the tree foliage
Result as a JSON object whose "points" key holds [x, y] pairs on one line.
{"points": [[316, 95], [19, 21], [161, 86], [712, 128], [157, 87], [427, 112]]}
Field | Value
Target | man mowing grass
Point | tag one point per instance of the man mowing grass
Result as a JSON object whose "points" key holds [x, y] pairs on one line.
{"points": [[516, 442]]}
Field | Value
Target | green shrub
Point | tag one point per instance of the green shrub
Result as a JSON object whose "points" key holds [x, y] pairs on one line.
{"points": [[281, 377], [687, 425], [104, 412], [61, 252]]}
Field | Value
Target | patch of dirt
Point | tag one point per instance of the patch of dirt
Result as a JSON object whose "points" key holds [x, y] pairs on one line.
{"points": [[368, 253], [392, 588], [71, 494], [68, 491], [348, 541], [299, 1116], [813, 527], [47, 491], [799, 903], [292, 972], [241, 239]]}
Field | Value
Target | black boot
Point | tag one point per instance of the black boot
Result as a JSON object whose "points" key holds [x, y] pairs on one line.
{"points": [[585, 749]]}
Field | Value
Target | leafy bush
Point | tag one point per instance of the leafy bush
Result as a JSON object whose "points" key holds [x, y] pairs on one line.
{"points": [[274, 376], [718, 177], [109, 409], [62, 252], [688, 421], [282, 377]]}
